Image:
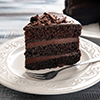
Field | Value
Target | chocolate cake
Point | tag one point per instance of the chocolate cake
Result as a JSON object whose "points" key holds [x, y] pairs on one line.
{"points": [[85, 11], [51, 40]]}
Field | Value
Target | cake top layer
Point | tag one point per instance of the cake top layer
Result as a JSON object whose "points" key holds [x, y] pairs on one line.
{"points": [[51, 18], [47, 19]]}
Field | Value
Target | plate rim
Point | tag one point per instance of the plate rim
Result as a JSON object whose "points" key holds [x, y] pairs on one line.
{"points": [[84, 34], [3, 83]]}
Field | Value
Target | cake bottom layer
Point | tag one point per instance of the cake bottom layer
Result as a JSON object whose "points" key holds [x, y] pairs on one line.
{"points": [[55, 62]]}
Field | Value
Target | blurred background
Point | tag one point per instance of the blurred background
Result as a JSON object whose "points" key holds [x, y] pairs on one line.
{"points": [[15, 14]]}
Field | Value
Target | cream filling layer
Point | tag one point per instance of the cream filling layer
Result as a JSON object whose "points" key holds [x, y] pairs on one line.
{"points": [[39, 59], [54, 41]]}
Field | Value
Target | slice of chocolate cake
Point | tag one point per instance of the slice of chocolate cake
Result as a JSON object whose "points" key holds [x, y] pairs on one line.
{"points": [[51, 40], [85, 11]]}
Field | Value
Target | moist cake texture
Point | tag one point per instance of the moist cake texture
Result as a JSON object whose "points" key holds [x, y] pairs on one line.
{"points": [[51, 40]]}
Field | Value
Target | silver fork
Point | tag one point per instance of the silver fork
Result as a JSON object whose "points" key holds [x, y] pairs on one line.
{"points": [[52, 74]]}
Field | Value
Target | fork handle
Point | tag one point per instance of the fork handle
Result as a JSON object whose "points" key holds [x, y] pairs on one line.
{"points": [[82, 63]]}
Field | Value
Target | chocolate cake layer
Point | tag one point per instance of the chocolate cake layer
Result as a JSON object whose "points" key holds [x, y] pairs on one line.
{"points": [[49, 50], [52, 32], [53, 61]]}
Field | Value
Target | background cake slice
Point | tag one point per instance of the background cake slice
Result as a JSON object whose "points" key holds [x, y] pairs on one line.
{"points": [[51, 40], [85, 11]]}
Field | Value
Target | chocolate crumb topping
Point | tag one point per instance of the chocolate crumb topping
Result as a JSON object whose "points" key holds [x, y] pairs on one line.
{"points": [[35, 18], [47, 19]]}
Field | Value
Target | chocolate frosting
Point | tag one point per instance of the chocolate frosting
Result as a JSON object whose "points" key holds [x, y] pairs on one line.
{"points": [[54, 41], [46, 19], [39, 59], [50, 18]]}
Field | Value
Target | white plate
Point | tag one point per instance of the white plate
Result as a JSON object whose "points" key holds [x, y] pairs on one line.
{"points": [[70, 80], [91, 31]]}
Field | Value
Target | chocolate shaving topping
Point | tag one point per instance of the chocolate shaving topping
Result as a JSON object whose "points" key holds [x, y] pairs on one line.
{"points": [[47, 19], [35, 18]]}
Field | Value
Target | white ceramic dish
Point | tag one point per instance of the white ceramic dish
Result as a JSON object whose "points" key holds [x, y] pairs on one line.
{"points": [[70, 80], [91, 31]]}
